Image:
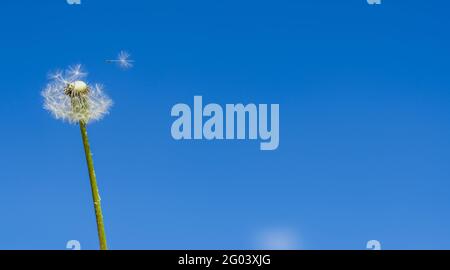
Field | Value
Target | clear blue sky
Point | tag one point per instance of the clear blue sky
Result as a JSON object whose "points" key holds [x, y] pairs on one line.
{"points": [[364, 94]]}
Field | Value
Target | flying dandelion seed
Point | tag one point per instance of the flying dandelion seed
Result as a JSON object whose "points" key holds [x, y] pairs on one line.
{"points": [[68, 97], [123, 60]]}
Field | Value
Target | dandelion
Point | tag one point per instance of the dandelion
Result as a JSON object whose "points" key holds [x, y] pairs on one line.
{"points": [[69, 98], [123, 60]]}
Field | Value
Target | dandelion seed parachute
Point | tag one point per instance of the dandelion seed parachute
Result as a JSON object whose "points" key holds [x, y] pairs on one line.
{"points": [[124, 60], [85, 103]]}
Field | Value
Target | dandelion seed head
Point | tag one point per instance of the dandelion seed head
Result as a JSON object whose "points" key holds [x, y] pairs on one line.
{"points": [[76, 72], [76, 88], [69, 98]]}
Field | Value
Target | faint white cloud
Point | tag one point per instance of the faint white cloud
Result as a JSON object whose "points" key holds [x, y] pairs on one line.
{"points": [[277, 239]]}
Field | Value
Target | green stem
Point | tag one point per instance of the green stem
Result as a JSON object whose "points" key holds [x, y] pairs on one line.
{"points": [[94, 188]]}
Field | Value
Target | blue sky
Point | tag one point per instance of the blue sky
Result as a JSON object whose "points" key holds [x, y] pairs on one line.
{"points": [[364, 124]]}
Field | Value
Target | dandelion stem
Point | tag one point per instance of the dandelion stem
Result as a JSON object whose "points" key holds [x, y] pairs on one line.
{"points": [[94, 188]]}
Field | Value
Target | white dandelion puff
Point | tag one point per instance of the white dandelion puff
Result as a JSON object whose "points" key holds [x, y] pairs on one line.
{"points": [[68, 97], [123, 60], [77, 72]]}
